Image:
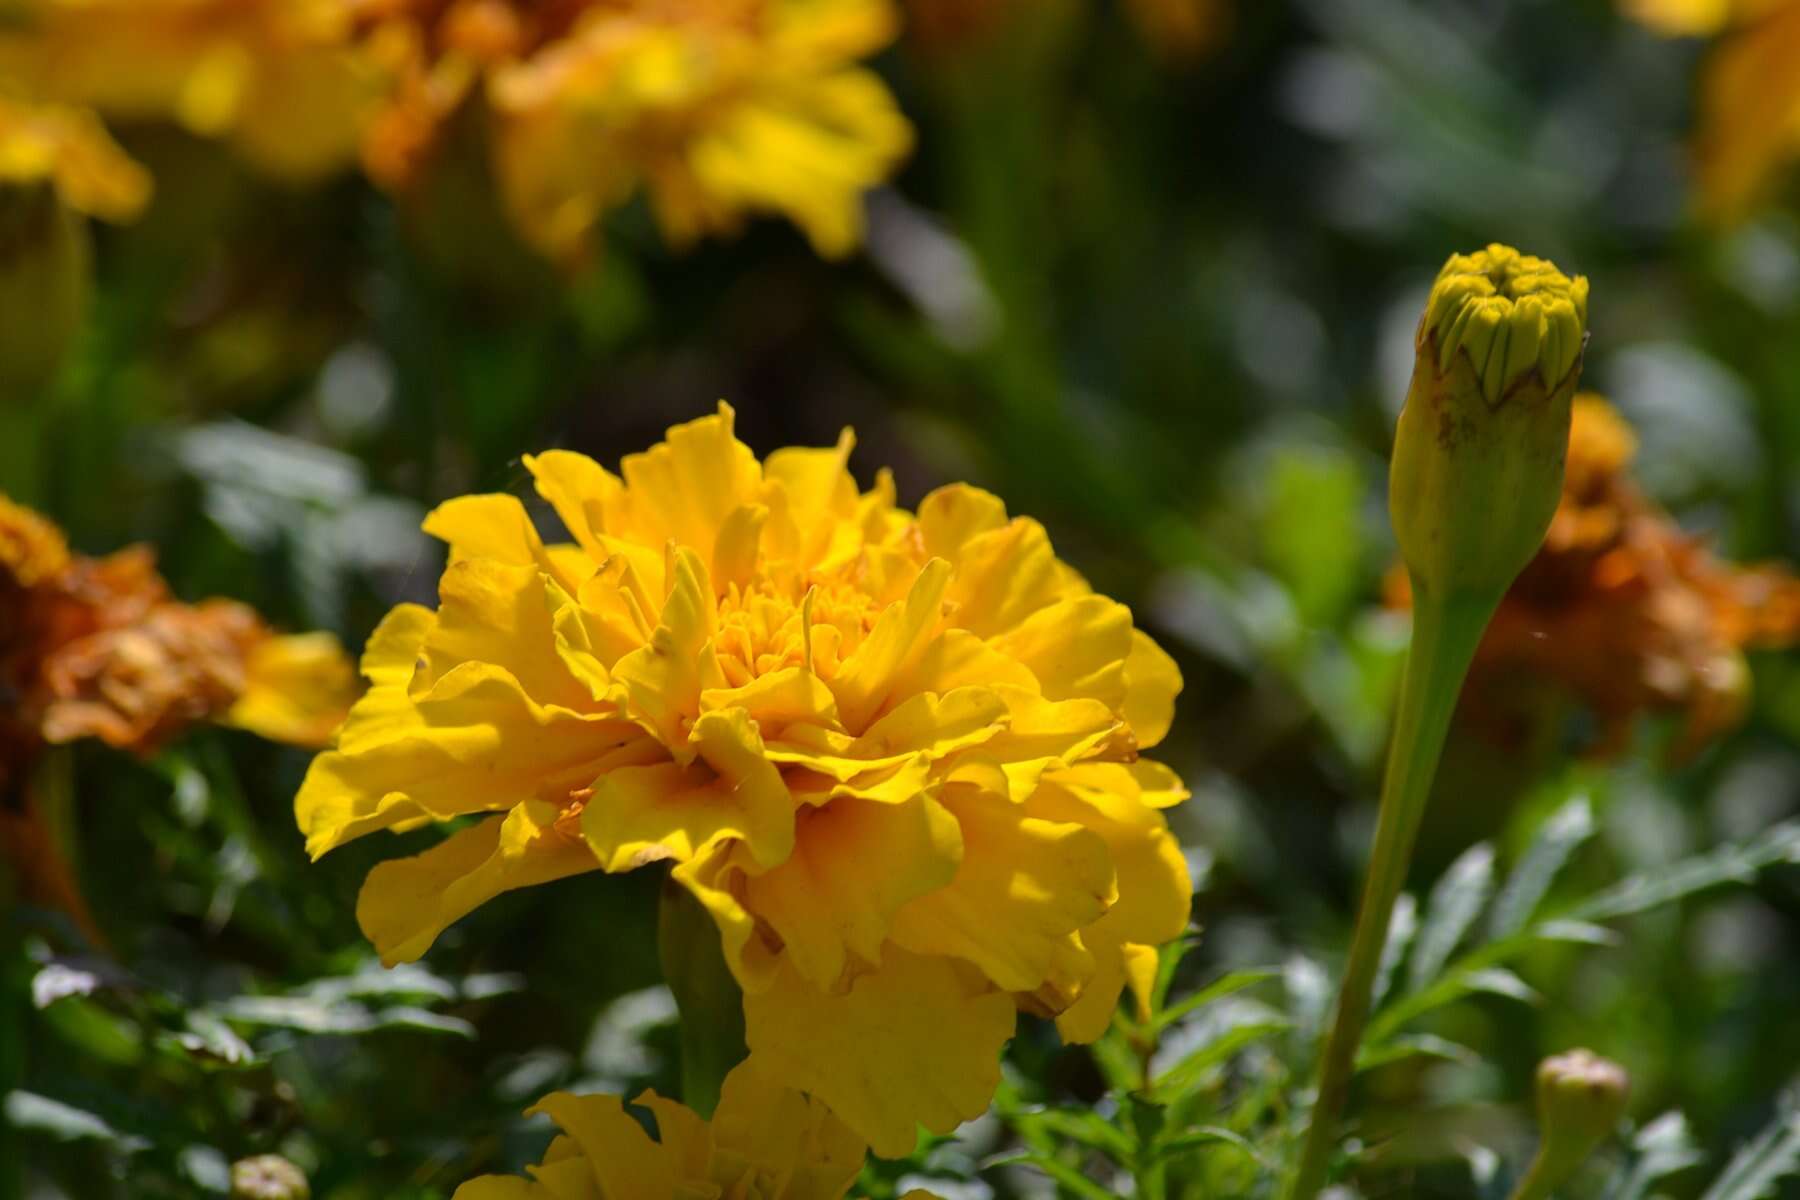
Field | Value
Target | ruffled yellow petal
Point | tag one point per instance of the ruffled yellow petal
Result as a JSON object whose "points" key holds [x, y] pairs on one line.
{"points": [[665, 677], [1076, 648], [855, 864], [493, 527], [640, 815], [495, 612], [766, 1129], [1155, 892], [589, 498], [1152, 681], [1003, 576], [407, 902], [1023, 886], [389, 659], [952, 515], [911, 1043], [480, 744], [624, 1161], [683, 489], [864, 682]]}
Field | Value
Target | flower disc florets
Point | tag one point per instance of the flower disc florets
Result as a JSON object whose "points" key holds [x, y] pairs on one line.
{"points": [[894, 755]]}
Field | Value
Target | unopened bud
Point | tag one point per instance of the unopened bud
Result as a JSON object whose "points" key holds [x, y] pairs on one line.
{"points": [[1581, 1097], [268, 1177], [1478, 457]]}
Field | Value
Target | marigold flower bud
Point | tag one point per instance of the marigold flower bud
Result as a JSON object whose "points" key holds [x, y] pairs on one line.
{"points": [[268, 1177], [1581, 1096], [1478, 457]]}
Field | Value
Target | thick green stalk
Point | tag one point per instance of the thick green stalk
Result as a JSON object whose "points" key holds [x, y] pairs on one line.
{"points": [[1446, 631], [706, 993]]}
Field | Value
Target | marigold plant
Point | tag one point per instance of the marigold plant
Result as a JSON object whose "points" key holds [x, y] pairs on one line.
{"points": [[896, 756]]}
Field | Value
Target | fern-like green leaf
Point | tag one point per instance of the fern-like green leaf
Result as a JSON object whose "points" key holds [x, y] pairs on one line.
{"points": [[1770, 1157], [1456, 901], [1559, 837]]}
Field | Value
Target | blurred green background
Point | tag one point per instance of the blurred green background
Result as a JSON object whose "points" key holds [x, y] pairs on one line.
{"points": [[1163, 305]]}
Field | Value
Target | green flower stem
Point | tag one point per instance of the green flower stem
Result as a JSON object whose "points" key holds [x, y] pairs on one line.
{"points": [[706, 993], [1541, 1179], [1446, 631]]}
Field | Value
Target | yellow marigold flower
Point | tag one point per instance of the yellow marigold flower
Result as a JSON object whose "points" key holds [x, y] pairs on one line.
{"points": [[719, 108], [1749, 93], [766, 1141], [895, 755], [273, 76]]}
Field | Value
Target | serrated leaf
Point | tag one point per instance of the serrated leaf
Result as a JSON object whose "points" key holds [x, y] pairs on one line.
{"points": [[1414, 1045], [1175, 1082], [1659, 1149], [1401, 927], [1083, 1126], [307, 1015], [1736, 863], [1208, 1135], [1456, 901], [33, 1113], [1498, 981], [1234, 981], [1773, 1155], [1583, 933], [1062, 1173], [1558, 838]]}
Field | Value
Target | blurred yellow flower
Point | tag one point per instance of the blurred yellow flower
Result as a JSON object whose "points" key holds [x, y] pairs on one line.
{"points": [[766, 1141], [273, 76], [719, 108], [1749, 93], [297, 689], [68, 149], [895, 756]]}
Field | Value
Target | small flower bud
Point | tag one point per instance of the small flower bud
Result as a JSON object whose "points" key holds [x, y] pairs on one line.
{"points": [[1581, 1097], [1478, 456], [268, 1177]]}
